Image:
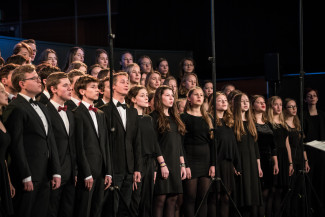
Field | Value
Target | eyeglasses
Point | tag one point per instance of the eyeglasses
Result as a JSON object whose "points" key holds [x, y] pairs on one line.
{"points": [[35, 78], [292, 107]]}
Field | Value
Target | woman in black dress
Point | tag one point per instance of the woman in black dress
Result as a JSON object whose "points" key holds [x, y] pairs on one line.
{"points": [[249, 195], [7, 191], [280, 133], [299, 156], [142, 196], [197, 151], [169, 130], [267, 149], [227, 157]]}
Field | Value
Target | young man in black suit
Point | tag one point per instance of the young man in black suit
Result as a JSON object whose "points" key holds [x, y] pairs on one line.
{"points": [[45, 71], [73, 76], [125, 143], [62, 199], [34, 157], [93, 159], [105, 90], [5, 78]]}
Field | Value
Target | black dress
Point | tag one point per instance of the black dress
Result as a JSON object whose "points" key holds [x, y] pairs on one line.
{"points": [[297, 149], [6, 208], [170, 143], [141, 203], [280, 134], [197, 145], [248, 186], [267, 149], [227, 156]]}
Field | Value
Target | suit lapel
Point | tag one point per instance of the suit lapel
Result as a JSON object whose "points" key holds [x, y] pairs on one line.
{"points": [[117, 115], [57, 115], [82, 106]]}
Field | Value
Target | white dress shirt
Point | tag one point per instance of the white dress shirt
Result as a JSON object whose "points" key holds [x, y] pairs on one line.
{"points": [[76, 101], [121, 111], [63, 115]]}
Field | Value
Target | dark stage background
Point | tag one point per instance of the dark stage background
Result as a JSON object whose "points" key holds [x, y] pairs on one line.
{"points": [[245, 31]]}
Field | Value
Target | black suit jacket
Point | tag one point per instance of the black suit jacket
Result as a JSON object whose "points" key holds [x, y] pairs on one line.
{"points": [[99, 103], [92, 150], [33, 153], [42, 98], [65, 142], [125, 144], [71, 105]]}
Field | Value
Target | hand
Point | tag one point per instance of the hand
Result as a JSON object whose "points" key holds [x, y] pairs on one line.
{"points": [[188, 173], [183, 173], [154, 177], [260, 172], [107, 182], [212, 171], [56, 182], [134, 186], [89, 183], [275, 169], [291, 170], [164, 172], [28, 186], [75, 180], [136, 176], [237, 173], [307, 168], [12, 190]]}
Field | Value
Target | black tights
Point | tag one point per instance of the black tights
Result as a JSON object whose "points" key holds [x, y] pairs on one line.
{"points": [[222, 205], [278, 197], [194, 191], [266, 209], [164, 205]]}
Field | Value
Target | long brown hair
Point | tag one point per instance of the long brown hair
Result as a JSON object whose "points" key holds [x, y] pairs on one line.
{"points": [[147, 85], [269, 112], [264, 116], [296, 120], [227, 115], [163, 121], [239, 129], [204, 114]]}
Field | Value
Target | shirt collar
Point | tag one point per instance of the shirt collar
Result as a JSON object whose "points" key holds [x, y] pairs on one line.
{"points": [[116, 101], [86, 104], [47, 94], [55, 104], [76, 101], [26, 97]]}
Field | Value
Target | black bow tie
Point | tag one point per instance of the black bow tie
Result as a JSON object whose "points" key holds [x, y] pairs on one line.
{"points": [[120, 104], [31, 101]]}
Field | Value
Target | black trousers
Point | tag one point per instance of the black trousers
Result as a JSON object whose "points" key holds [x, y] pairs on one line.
{"points": [[32, 203]]}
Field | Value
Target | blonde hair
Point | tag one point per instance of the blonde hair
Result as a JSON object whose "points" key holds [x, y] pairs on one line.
{"points": [[270, 115], [296, 120]]}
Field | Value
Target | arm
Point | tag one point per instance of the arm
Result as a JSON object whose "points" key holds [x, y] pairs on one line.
{"points": [[183, 170], [306, 162], [291, 170], [275, 165]]}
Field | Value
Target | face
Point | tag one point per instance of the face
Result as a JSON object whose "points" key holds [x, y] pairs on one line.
{"points": [[291, 108], [259, 105], [24, 52], [208, 89], [91, 92], [31, 84], [63, 89], [33, 46], [188, 66], [277, 107], [135, 75], [7, 82], [141, 99], [145, 65], [167, 98], [154, 81], [107, 90], [173, 85], [103, 60], [221, 103], [95, 71], [163, 67], [244, 103], [196, 98], [311, 98], [228, 89], [143, 79], [190, 82], [83, 69], [122, 85], [3, 96], [127, 59], [52, 59], [79, 56]]}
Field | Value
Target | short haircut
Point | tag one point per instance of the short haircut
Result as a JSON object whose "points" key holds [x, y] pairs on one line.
{"points": [[17, 59], [82, 83], [29, 41], [117, 75], [2, 61], [47, 70], [103, 73], [4, 71], [74, 73], [76, 65], [92, 67], [53, 80], [19, 75], [101, 84], [21, 45]]}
